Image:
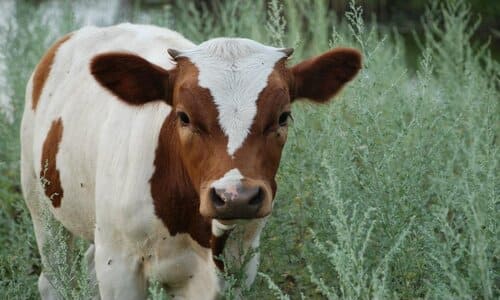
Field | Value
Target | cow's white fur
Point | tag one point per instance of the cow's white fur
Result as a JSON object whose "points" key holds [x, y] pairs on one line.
{"points": [[106, 159], [232, 177], [218, 229], [235, 71]]}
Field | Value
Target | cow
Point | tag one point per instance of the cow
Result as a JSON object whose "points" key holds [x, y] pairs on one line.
{"points": [[154, 149]]}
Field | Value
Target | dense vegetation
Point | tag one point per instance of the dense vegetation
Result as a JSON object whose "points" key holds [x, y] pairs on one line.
{"points": [[390, 191]]}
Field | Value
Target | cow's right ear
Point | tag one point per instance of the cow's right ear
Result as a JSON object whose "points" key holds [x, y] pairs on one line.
{"points": [[132, 78], [321, 77]]}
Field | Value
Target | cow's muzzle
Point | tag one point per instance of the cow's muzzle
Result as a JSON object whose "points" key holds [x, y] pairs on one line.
{"points": [[238, 200]]}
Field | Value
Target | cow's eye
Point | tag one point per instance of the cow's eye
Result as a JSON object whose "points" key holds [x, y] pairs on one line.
{"points": [[183, 118], [284, 118]]}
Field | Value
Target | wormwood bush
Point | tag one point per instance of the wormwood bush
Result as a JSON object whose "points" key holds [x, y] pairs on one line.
{"points": [[409, 177], [66, 267], [389, 192]]}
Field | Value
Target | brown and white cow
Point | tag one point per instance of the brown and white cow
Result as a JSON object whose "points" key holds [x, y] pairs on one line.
{"points": [[155, 158]]}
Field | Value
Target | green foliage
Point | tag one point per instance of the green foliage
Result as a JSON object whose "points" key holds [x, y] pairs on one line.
{"points": [[391, 191], [64, 262], [157, 292], [65, 265]]}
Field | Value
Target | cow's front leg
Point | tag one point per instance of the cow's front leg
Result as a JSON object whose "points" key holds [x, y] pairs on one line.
{"points": [[119, 273], [242, 248]]}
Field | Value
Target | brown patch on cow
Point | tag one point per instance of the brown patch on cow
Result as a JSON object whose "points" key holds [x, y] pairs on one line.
{"points": [[175, 200], [49, 174], [43, 69], [132, 78]]}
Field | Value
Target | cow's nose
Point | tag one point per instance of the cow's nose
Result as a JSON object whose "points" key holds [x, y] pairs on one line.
{"points": [[237, 201]]}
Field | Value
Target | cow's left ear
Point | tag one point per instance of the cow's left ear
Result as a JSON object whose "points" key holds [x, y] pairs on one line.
{"points": [[132, 78], [321, 77]]}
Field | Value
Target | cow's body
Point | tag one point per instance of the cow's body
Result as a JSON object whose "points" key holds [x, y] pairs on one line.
{"points": [[105, 162], [111, 171]]}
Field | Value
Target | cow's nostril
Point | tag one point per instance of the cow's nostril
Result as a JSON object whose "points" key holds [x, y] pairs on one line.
{"points": [[216, 199], [257, 199]]}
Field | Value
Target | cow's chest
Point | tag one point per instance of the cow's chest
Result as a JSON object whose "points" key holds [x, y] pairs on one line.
{"points": [[129, 224], [174, 260], [179, 261]]}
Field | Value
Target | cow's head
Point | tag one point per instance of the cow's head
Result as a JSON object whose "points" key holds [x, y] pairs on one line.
{"points": [[231, 101]]}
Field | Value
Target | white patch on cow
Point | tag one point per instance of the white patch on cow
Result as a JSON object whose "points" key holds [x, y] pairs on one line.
{"points": [[232, 177], [218, 228], [235, 71]]}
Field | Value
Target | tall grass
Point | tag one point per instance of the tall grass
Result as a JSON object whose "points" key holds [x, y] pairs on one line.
{"points": [[391, 191]]}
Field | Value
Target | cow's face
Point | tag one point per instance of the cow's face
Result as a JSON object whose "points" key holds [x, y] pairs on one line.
{"points": [[231, 108]]}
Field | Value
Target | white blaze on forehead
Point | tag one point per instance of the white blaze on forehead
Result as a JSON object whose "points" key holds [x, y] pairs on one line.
{"points": [[232, 177], [235, 71]]}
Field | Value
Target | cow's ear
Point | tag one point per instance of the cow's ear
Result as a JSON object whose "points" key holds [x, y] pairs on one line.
{"points": [[131, 78], [321, 77]]}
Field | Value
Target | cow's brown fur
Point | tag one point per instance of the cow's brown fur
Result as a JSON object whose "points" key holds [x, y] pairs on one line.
{"points": [[131, 77], [175, 200], [49, 174], [335, 67], [43, 69]]}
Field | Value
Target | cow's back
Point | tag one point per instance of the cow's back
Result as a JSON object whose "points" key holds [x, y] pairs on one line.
{"points": [[80, 139]]}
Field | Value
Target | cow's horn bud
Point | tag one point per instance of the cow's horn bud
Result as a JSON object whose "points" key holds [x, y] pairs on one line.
{"points": [[174, 53], [288, 51]]}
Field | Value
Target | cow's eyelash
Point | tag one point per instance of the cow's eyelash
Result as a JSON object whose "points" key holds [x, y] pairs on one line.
{"points": [[284, 118], [275, 125], [183, 118], [186, 122]]}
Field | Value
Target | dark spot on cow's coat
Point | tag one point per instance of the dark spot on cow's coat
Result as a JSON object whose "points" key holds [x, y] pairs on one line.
{"points": [[49, 174], [43, 69], [109, 262]]}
